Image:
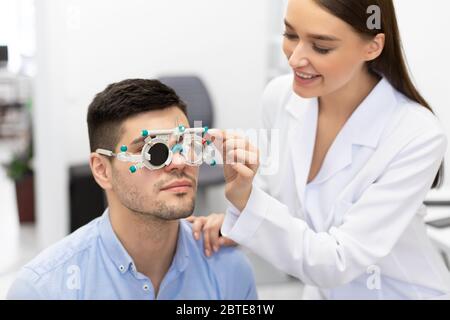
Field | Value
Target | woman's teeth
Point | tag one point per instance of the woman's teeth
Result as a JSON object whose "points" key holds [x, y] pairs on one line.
{"points": [[305, 76]]}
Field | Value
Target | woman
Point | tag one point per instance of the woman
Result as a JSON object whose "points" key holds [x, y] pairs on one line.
{"points": [[360, 149]]}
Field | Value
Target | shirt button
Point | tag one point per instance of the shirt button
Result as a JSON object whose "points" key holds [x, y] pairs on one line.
{"points": [[121, 268], [145, 287]]}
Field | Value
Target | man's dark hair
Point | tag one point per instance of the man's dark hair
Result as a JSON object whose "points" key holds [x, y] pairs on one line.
{"points": [[122, 100]]}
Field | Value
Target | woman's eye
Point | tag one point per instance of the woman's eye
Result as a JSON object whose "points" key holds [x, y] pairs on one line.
{"points": [[290, 36], [321, 50]]}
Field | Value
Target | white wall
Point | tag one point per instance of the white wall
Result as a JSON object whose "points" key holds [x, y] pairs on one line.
{"points": [[17, 30], [424, 26], [84, 45]]}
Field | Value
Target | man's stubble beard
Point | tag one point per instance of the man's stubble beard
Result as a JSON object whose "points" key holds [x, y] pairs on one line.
{"points": [[139, 203]]}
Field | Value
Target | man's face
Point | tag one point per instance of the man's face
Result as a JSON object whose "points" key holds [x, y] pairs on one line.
{"points": [[167, 193]]}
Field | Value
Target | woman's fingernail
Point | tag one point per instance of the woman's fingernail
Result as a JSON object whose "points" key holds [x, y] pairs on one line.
{"points": [[216, 248], [196, 235], [208, 253]]}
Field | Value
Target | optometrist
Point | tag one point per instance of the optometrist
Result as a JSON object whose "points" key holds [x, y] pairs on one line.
{"points": [[359, 150]]}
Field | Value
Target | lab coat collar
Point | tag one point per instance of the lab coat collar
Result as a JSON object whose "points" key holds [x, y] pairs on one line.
{"points": [[364, 128], [366, 124]]}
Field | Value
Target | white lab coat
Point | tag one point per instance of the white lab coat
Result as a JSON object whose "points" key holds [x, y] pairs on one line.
{"points": [[357, 230]]}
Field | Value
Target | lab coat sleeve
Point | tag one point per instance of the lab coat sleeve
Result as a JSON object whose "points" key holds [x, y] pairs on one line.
{"points": [[370, 229]]}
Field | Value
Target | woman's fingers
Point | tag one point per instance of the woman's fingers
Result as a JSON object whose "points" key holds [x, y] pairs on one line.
{"points": [[210, 227], [243, 170], [239, 143], [213, 229], [207, 243], [197, 226], [227, 242], [212, 233], [225, 141], [241, 156]]}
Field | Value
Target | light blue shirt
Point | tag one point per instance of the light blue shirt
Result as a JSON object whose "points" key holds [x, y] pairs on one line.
{"points": [[91, 263]]}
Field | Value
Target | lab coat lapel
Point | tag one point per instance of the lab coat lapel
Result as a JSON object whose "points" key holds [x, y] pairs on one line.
{"points": [[339, 156], [301, 139], [364, 128]]}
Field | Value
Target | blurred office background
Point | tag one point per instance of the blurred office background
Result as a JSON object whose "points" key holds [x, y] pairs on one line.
{"points": [[57, 54]]}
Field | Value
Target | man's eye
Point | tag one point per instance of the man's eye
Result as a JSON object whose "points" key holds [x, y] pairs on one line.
{"points": [[139, 147]]}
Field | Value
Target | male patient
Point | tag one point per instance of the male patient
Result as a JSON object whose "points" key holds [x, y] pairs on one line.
{"points": [[141, 247]]}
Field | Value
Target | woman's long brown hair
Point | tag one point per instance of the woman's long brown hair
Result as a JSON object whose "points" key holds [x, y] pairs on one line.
{"points": [[392, 62]]}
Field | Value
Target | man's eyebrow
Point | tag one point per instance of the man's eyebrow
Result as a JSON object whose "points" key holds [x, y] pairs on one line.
{"points": [[315, 36]]}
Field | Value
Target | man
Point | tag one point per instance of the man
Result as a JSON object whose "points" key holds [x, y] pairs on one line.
{"points": [[141, 248]]}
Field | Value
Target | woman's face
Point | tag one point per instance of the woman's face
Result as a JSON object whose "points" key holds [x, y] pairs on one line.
{"points": [[325, 53]]}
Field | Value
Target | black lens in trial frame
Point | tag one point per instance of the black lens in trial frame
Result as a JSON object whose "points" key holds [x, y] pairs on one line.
{"points": [[159, 153]]}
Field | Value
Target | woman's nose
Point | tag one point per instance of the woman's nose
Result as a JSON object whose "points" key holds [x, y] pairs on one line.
{"points": [[298, 59]]}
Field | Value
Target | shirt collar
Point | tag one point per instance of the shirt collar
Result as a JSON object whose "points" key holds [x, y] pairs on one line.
{"points": [[123, 261], [181, 257], [113, 246]]}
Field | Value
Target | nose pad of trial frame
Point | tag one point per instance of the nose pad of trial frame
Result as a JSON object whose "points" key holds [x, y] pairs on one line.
{"points": [[178, 148]]}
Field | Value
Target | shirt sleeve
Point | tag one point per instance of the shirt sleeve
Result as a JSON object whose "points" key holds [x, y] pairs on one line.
{"points": [[24, 287], [234, 270], [371, 227], [245, 287]]}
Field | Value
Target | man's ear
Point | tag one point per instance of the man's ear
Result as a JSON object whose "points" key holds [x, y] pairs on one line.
{"points": [[375, 47], [101, 170]]}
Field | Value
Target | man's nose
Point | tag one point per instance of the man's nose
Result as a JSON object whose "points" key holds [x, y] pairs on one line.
{"points": [[178, 162]]}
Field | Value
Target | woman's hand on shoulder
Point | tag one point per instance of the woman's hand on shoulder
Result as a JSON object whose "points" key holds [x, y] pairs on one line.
{"points": [[210, 227]]}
